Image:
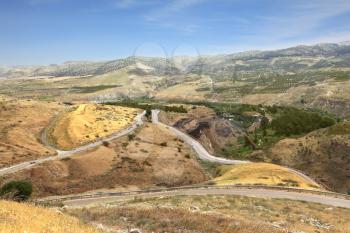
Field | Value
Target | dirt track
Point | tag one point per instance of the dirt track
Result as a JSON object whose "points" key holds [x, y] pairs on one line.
{"points": [[65, 154]]}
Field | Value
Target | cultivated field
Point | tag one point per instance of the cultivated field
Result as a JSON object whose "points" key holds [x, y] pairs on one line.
{"points": [[16, 217], [89, 122], [261, 174]]}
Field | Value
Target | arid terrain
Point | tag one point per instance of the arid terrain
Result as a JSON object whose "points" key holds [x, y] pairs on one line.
{"points": [[261, 174], [203, 124], [150, 157], [85, 123], [323, 154], [18, 217], [211, 214], [263, 113], [21, 124]]}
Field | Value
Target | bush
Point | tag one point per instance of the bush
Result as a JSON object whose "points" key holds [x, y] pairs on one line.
{"points": [[163, 144], [148, 113], [131, 136], [16, 190], [105, 143]]}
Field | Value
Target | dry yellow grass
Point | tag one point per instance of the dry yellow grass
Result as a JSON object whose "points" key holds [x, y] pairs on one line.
{"points": [[123, 164], [261, 173], [217, 213], [163, 219], [89, 122], [21, 124], [18, 218]]}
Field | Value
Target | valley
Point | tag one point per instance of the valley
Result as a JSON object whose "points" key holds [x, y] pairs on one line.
{"points": [[267, 127]]}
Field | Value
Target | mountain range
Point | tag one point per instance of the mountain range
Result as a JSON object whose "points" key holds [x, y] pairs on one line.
{"points": [[294, 59]]}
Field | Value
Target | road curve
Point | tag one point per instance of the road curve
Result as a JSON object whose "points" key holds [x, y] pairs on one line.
{"points": [[200, 150], [298, 195], [64, 154], [205, 155]]}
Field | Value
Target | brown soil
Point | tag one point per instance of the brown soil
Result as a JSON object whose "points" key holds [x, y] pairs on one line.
{"points": [[323, 155], [21, 123], [154, 157], [202, 123]]}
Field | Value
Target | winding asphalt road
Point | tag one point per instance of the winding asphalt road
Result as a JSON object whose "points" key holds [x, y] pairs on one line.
{"points": [[201, 151], [205, 155], [64, 154], [325, 198], [331, 199]]}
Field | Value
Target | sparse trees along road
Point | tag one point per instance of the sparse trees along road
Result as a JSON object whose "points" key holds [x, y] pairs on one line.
{"points": [[200, 150], [205, 155]]}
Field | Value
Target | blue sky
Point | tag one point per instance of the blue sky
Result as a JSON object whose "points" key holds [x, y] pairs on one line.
{"points": [[54, 31]]}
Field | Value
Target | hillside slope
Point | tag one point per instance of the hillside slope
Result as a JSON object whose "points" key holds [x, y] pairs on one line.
{"points": [[21, 124], [17, 217], [322, 154]]}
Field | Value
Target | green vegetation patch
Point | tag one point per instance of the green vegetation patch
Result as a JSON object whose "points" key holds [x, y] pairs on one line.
{"points": [[293, 121], [149, 106], [285, 121], [16, 190], [92, 89]]}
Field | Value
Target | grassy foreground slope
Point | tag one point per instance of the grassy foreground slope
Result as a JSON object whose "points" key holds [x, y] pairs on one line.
{"points": [[17, 217], [88, 122], [217, 214], [261, 173]]}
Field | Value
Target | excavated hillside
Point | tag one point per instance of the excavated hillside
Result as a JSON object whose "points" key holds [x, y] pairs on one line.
{"points": [[203, 124]]}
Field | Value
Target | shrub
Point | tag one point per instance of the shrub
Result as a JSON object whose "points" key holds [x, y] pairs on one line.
{"points": [[163, 144], [131, 136], [148, 113], [16, 190], [105, 143]]}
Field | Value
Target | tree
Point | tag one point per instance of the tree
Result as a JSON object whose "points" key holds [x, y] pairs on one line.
{"points": [[16, 190], [148, 113]]}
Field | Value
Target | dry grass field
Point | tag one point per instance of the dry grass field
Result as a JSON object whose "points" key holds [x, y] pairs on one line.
{"points": [[20, 218], [88, 122], [261, 173], [184, 91], [151, 157], [217, 214], [21, 123]]}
